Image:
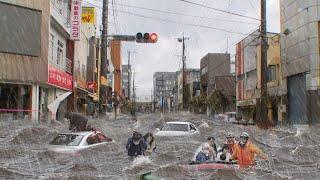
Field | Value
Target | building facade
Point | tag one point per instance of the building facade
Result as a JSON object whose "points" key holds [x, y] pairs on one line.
{"points": [[300, 59], [85, 77], [163, 86], [36, 64], [126, 73], [248, 74], [212, 65], [227, 86], [191, 89]]}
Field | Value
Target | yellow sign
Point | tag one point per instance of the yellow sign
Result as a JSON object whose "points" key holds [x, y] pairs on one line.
{"points": [[88, 15]]}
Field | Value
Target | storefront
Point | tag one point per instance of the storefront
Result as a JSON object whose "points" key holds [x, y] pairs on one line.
{"points": [[15, 100]]}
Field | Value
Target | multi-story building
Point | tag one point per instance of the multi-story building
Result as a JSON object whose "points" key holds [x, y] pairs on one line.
{"points": [[300, 59], [212, 65], [227, 86], [117, 65], [36, 61], [248, 74], [85, 91], [191, 87], [126, 73], [163, 86]]}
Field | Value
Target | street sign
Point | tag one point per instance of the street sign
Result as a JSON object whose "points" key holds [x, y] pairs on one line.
{"points": [[123, 37]]}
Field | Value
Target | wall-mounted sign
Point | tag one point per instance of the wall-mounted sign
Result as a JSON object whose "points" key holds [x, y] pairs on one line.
{"points": [[59, 78], [88, 15], [75, 20]]}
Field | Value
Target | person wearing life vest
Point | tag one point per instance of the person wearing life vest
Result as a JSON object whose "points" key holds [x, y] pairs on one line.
{"points": [[245, 152], [231, 142]]}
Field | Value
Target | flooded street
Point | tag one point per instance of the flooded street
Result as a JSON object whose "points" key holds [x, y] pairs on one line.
{"points": [[24, 155]]}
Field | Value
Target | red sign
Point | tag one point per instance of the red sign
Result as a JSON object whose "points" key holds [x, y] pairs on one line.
{"points": [[91, 85], [75, 20], [59, 78]]}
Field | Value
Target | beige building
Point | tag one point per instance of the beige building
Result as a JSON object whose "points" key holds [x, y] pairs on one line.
{"points": [[23, 56], [300, 59]]}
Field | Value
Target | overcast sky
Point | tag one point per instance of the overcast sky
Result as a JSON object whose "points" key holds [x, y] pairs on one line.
{"points": [[165, 55]]}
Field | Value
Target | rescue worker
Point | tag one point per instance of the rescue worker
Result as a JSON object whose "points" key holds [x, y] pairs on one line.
{"points": [[245, 152], [136, 145], [207, 151], [224, 154], [231, 142], [151, 143]]}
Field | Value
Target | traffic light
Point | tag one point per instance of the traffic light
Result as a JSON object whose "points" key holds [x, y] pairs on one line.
{"points": [[146, 38]]}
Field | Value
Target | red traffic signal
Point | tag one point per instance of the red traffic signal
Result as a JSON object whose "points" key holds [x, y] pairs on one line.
{"points": [[146, 38]]}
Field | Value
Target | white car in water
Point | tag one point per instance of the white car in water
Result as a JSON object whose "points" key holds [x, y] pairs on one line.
{"points": [[177, 129], [75, 141]]}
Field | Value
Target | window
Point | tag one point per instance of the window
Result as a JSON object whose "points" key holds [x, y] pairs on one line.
{"points": [[204, 70], [59, 52], [175, 127], [67, 139], [192, 127], [272, 75]]}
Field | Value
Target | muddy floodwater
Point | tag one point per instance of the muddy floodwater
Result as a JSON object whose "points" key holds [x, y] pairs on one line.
{"points": [[293, 154]]}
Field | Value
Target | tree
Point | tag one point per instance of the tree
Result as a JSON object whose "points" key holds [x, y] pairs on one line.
{"points": [[217, 101], [198, 104]]}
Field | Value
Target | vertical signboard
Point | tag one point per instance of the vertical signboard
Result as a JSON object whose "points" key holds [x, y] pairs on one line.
{"points": [[75, 20], [88, 15]]}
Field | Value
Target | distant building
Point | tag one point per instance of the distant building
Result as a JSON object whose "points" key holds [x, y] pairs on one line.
{"points": [[117, 65], [192, 87], [227, 86], [300, 60], [126, 73], [163, 87], [212, 65]]}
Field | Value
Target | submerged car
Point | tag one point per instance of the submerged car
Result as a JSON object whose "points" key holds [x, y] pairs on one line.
{"points": [[177, 129], [76, 141]]}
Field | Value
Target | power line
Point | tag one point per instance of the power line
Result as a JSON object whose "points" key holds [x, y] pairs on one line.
{"points": [[114, 15], [175, 22], [182, 14], [251, 4], [181, 23], [224, 11]]}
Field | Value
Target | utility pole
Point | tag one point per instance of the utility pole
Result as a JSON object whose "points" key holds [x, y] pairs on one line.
{"points": [[162, 94], [129, 69], [183, 72], [183, 68], [134, 98], [104, 56], [262, 115]]}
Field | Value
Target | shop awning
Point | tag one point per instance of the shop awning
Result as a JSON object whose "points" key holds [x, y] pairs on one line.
{"points": [[53, 107]]}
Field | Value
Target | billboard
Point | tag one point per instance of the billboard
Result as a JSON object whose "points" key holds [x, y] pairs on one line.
{"points": [[88, 15], [59, 78], [20, 30], [75, 20]]}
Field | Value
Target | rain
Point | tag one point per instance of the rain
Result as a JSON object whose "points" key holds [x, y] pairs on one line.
{"points": [[84, 82]]}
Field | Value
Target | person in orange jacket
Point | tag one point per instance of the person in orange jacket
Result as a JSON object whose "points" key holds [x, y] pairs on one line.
{"points": [[245, 152], [231, 142]]}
